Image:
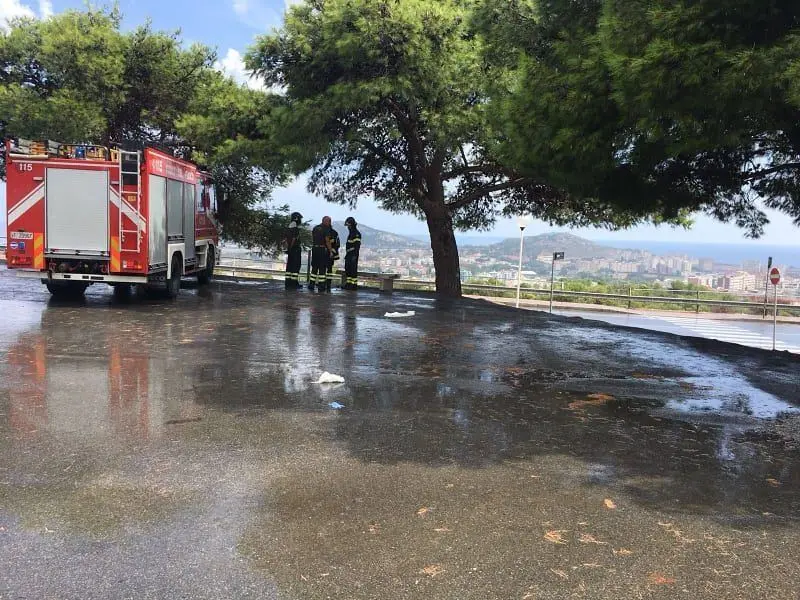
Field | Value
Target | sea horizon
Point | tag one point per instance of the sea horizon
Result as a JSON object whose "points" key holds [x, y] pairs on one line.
{"points": [[731, 254]]}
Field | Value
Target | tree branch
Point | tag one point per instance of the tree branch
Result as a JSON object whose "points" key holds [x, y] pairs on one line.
{"points": [[397, 110], [409, 127], [467, 169], [488, 189], [486, 169], [463, 155], [381, 153], [433, 173], [439, 156], [771, 170]]}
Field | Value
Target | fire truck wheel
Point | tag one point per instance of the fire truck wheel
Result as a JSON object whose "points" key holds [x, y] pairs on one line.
{"points": [[205, 276], [66, 290], [174, 281], [123, 291]]}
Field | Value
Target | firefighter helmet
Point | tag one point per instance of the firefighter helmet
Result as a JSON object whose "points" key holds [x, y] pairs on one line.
{"points": [[297, 217]]}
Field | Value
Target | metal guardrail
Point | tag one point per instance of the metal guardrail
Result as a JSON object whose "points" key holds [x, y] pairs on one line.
{"points": [[630, 298], [633, 298], [244, 271], [236, 270]]}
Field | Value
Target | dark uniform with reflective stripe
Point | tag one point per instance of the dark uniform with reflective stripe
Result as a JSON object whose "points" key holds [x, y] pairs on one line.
{"points": [[352, 248], [335, 245], [320, 256], [294, 256]]}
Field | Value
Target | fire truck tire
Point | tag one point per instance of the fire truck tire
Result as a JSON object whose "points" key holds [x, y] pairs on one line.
{"points": [[204, 276], [149, 292], [123, 291], [66, 290], [174, 281]]}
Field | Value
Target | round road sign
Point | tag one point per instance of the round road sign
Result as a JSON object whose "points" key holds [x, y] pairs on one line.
{"points": [[775, 276]]}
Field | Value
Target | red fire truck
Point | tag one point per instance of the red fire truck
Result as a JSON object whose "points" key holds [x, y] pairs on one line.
{"points": [[80, 214]]}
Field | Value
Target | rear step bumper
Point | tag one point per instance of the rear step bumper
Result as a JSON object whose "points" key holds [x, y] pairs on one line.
{"points": [[82, 278]]}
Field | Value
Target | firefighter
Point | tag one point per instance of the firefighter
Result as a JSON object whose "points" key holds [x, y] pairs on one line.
{"points": [[335, 245], [352, 248], [321, 252], [294, 254]]}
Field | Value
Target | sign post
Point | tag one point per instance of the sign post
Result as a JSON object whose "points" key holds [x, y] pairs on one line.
{"points": [[523, 223], [556, 256], [775, 279]]}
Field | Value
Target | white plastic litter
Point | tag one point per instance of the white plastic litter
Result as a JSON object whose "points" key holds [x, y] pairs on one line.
{"points": [[397, 315], [330, 378], [336, 405]]}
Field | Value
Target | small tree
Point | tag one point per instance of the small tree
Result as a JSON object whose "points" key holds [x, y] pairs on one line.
{"points": [[76, 76]]}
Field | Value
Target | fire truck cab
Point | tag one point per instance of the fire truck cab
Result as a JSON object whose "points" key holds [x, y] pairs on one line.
{"points": [[81, 214]]}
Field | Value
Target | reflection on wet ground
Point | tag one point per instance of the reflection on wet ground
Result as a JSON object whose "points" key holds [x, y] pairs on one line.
{"points": [[182, 450]]}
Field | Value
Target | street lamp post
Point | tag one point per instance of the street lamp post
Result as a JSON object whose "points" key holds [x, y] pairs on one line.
{"points": [[523, 223], [556, 256]]}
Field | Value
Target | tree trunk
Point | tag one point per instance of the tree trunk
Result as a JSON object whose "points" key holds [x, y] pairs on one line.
{"points": [[445, 251]]}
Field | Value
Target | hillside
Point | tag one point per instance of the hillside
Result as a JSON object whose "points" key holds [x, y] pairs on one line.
{"points": [[572, 246], [383, 240]]}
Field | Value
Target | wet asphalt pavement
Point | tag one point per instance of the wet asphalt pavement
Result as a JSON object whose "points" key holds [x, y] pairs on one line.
{"points": [[753, 333], [157, 449]]}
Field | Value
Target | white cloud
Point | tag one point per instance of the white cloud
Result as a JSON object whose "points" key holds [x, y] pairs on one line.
{"points": [[11, 9], [233, 65], [45, 9], [259, 15], [241, 7]]}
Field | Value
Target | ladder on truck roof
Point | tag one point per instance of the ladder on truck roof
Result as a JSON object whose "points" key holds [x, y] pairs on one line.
{"points": [[132, 199]]}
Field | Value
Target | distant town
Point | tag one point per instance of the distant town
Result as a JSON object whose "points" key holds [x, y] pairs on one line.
{"points": [[583, 259]]}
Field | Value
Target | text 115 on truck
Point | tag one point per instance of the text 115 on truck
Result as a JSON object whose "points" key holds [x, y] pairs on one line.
{"points": [[81, 214]]}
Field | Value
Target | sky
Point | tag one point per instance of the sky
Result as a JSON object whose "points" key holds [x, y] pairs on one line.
{"points": [[231, 26]]}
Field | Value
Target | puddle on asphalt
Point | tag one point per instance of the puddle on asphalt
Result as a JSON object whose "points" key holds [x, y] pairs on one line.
{"points": [[727, 396], [458, 443], [599, 474], [711, 386], [247, 283], [436, 393], [17, 317], [486, 375]]}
